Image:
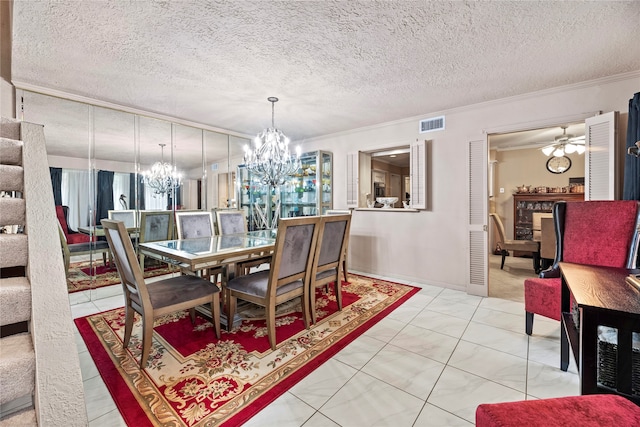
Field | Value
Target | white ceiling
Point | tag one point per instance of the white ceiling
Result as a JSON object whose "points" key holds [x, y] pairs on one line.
{"points": [[335, 65]]}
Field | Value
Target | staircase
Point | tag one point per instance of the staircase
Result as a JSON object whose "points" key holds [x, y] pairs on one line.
{"points": [[40, 381]]}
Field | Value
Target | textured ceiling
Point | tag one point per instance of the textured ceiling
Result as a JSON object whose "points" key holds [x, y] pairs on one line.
{"points": [[335, 65]]}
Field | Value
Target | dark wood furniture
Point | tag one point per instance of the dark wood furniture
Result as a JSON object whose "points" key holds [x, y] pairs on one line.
{"points": [[603, 297], [525, 204]]}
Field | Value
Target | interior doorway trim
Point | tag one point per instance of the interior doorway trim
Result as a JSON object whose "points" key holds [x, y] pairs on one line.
{"points": [[540, 124]]}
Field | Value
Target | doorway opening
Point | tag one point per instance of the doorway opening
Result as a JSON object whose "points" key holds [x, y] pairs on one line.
{"points": [[522, 183]]}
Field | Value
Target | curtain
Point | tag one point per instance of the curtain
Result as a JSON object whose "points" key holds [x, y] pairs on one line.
{"points": [[154, 201], [104, 195], [56, 183], [76, 194], [136, 203], [121, 191], [631, 189]]}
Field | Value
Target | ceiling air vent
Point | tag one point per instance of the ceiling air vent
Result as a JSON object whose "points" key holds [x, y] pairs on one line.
{"points": [[429, 125]]}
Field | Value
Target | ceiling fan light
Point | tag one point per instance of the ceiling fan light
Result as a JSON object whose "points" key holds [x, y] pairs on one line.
{"points": [[548, 150], [559, 152], [570, 148], [580, 149]]}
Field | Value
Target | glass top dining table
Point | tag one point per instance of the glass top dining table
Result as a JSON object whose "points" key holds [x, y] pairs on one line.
{"points": [[204, 252]]}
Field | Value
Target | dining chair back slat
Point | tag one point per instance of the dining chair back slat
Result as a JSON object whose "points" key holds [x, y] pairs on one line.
{"points": [[231, 222], [328, 260], [194, 224], [155, 226]]}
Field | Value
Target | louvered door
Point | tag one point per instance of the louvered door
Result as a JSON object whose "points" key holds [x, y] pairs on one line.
{"points": [[478, 236], [418, 162], [352, 180], [601, 182]]}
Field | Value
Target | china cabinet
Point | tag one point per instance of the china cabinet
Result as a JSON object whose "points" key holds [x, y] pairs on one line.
{"points": [[307, 192], [525, 204]]}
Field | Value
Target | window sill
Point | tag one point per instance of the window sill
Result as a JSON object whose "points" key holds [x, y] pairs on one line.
{"points": [[388, 210]]}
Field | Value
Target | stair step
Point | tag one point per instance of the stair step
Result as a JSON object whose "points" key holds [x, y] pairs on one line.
{"points": [[10, 151], [12, 211], [24, 418], [9, 128], [11, 178], [15, 294], [17, 367], [13, 250]]}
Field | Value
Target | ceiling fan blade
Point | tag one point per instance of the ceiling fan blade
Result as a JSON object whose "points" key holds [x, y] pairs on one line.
{"points": [[577, 139]]}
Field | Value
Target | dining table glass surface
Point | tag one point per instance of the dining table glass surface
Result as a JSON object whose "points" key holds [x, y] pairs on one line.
{"points": [[216, 249]]}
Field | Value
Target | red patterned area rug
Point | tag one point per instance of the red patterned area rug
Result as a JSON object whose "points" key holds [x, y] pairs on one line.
{"points": [[81, 275], [192, 379]]}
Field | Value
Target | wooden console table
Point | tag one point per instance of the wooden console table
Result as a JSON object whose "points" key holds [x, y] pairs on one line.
{"points": [[604, 298]]}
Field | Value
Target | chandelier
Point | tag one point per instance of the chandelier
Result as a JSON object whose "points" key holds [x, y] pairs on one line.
{"points": [[162, 177], [270, 160], [564, 144]]}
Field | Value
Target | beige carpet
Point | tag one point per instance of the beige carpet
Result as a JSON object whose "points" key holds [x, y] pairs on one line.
{"points": [[508, 283]]}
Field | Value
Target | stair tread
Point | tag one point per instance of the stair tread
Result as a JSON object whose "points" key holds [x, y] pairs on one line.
{"points": [[23, 418], [15, 294], [17, 366], [10, 151]]}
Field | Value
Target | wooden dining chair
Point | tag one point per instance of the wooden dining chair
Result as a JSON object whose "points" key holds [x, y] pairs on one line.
{"points": [[333, 238], [194, 224], [155, 226], [346, 248], [234, 222], [158, 298], [287, 278]]}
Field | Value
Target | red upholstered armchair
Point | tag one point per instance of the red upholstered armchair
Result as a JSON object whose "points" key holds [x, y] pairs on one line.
{"points": [[62, 212], [602, 233]]}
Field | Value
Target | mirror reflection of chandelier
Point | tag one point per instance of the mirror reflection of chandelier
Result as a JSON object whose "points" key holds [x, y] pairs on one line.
{"points": [[565, 144], [270, 160], [162, 178]]}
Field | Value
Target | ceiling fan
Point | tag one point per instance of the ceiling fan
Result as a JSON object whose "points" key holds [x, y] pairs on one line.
{"points": [[565, 144]]}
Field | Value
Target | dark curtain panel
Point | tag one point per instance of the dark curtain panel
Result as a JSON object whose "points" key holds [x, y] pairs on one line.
{"points": [[56, 183], [104, 202], [631, 189], [133, 203]]}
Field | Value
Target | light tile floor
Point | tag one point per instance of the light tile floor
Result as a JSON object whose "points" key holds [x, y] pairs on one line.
{"points": [[429, 363]]}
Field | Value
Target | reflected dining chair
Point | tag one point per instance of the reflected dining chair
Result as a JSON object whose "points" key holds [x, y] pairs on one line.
{"points": [[601, 233], [159, 298], [194, 224], [346, 248], [507, 245], [333, 238], [155, 226], [287, 278], [234, 222]]}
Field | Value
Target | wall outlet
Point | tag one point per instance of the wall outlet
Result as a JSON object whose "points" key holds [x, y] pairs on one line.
{"points": [[502, 189]]}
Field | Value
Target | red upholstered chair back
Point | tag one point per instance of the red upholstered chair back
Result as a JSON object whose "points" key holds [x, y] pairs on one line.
{"points": [[602, 233]]}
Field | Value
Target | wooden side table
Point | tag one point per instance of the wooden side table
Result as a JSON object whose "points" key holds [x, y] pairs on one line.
{"points": [[603, 297]]}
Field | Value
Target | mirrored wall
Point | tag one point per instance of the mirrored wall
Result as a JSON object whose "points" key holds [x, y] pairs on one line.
{"points": [[98, 157]]}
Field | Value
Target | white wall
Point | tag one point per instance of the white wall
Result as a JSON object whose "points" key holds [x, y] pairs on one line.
{"points": [[431, 246]]}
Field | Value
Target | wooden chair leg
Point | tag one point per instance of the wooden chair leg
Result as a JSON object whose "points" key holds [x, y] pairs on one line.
{"points": [[147, 335], [312, 304], [128, 325], [192, 315], [504, 254], [231, 309], [344, 269], [215, 314], [338, 290], [270, 312]]}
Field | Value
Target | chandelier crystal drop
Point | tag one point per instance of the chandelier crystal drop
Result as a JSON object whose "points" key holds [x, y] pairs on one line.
{"points": [[270, 160], [162, 177]]}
